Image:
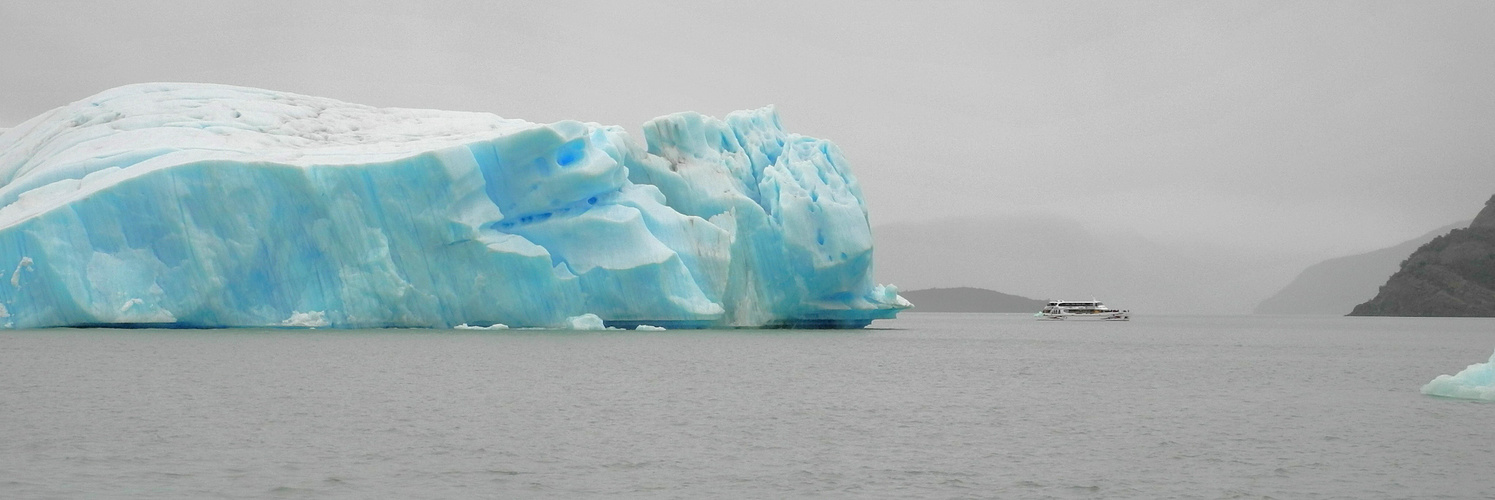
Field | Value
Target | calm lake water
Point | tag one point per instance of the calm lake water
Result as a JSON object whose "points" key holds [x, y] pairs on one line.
{"points": [[930, 405]]}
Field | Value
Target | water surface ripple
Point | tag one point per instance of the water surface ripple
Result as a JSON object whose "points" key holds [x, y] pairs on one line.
{"points": [[930, 405]]}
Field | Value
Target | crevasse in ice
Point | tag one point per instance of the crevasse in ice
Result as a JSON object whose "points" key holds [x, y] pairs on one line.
{"points": [[195, 205]]}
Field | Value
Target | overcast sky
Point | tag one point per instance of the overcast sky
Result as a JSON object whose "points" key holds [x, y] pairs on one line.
{"points": [[1316, 127]]}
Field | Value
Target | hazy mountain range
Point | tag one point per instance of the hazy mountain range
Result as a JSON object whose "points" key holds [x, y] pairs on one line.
{"points": [[1054, 257], [966, 299], [1058, 258], [1336, 286]]}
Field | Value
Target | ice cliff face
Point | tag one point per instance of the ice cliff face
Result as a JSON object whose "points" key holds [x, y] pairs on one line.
{"points": [[204, 206]]}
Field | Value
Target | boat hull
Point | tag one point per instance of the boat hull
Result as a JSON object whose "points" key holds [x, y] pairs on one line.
{"points": [[1112, 316], [1082, 310]]}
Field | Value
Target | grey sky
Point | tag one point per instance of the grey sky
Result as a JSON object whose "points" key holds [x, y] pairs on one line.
{"points": [[1320, 128]]}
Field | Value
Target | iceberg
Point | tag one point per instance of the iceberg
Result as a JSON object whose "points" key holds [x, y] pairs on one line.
{"points": [[202, 206], [1477, 381], [309, 319], [496, 326]]}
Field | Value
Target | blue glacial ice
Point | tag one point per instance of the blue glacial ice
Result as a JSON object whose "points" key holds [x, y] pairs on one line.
{"points": [[194, 205], [1476, 382]]}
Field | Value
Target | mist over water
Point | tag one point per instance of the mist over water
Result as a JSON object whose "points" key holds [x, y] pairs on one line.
{"points": [[1329, 126], [1045, 257], [930, 405]]}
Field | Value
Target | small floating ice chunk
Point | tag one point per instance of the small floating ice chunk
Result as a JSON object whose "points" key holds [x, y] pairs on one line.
{"points": [[586, 321], [495, 326], [649, 328], [1475, 382], [309, 319]]}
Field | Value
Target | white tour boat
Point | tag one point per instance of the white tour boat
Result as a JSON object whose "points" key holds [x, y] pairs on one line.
{"points": [[1082, 309]]}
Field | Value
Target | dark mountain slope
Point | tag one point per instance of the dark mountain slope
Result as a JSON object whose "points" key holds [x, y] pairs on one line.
{"points": [[1452, 275], [1337, 285]]}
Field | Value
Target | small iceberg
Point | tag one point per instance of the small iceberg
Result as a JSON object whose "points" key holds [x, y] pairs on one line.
{"points": [[309, 319], [1475, 382], [586, 321], [495, 326]]}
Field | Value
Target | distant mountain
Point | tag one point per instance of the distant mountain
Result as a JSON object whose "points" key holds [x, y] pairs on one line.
{"points": [[1452, 275], [1337, 285], [1057, 257], [966, 299]]}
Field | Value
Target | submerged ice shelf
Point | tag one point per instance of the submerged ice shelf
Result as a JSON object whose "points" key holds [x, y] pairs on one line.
{"points": [[194, 205]]}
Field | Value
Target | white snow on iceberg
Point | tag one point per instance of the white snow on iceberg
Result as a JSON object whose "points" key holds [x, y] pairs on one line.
{"points": [[215, 206], [1475, 382]]}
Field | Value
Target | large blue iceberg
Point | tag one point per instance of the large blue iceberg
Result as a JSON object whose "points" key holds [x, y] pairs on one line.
{"points": [[193, 205]]}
